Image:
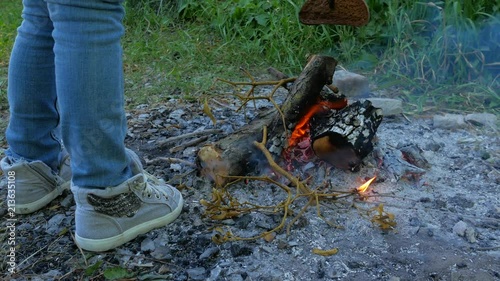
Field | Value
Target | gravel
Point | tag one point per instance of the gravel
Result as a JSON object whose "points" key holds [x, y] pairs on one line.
{"points": [[447, 211]]}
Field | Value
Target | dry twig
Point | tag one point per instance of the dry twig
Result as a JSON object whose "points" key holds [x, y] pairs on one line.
{"points": [[249, 95], [170, 160], [192, 142], [188, 135]]}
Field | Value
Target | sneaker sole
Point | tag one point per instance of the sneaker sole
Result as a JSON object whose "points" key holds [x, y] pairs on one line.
{"points": [[24, 209], [100, 245]]}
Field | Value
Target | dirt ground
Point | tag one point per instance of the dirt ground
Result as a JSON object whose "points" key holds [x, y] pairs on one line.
{"points": [[442, 219]]}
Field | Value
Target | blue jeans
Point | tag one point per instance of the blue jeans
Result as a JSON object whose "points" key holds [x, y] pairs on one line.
{"points": [[66, 81]]}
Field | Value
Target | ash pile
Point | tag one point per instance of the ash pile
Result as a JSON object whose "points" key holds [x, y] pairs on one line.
{"points": [[430, 213]]}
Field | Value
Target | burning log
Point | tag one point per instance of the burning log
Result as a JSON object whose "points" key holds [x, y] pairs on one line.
{"points": [[344, 137], [235, 155]]}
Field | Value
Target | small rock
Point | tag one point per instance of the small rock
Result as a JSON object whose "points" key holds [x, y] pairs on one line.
{"points": [[162, 253], [282, 244], [449, 121], [25, 227], [175, 167], [54, 224], [390, 107], [197, 273], [433, 146], [355, 264], [394, 278], [267, 249], [263, 224], [176, 114], [425, 199], [67, 201], [147, 245], [460, 228], [470, 235], [143, 116], [157, 122], [209, 252], [482, 119], [215, 273], [189, 151], [228, 222], [308, 166], [196, 221], [235, 277], [460, 200], [351, 84], [244, 221], [124, 255]]}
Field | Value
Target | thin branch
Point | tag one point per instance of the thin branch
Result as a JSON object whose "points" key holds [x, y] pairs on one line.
{"points": [[188, 135], [79, 249], [190, 143], [296, 181], [169, 160]]}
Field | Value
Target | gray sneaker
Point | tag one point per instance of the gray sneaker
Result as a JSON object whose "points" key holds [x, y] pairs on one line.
{"points": [[36, 185], [107, 218]]}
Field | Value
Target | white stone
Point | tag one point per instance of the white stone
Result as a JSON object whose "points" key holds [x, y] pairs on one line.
{"points": [[459, 228], [351, 84], [449, 121], [175, 167], [470, 235], [390, 107], [484, 119]]}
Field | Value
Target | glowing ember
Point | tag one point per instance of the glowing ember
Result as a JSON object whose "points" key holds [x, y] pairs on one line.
{"points": [[365, 186], [301, 130]]}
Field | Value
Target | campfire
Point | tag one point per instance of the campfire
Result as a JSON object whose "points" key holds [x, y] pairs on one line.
{"points": [[314, 121], [302, 129]]}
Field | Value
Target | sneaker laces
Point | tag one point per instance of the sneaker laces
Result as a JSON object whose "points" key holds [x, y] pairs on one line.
{"points": [[152, 187]]}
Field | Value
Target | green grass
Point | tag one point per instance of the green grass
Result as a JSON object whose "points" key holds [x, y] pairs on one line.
{"points": [[434, 55], [10, 18]]}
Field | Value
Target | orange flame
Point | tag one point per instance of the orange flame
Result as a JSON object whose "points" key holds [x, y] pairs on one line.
{"points": [[302, 127], [362, 188]]}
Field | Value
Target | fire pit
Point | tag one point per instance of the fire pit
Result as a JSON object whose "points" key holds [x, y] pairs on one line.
{"points": [[313, 118], [431, 213]]}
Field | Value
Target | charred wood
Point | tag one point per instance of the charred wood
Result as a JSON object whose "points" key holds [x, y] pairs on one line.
{"points": [[344, 137], [233, 154]]}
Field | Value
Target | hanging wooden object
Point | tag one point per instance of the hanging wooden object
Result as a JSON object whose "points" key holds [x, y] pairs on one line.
{"points": [[336, 12]]}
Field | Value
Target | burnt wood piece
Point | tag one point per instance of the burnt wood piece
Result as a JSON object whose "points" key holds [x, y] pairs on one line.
{"points": [[306, 90], [344, 137], [304, 93], [338, 12], [235, 155]]}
